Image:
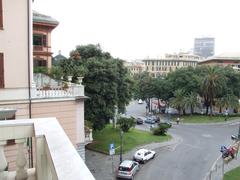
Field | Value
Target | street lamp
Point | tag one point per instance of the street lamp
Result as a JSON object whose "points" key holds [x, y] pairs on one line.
{"points": [[121, 139]]}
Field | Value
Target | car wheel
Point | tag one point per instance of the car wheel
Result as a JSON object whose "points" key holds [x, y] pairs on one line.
{"points": [[153, 156], [144, 161]]}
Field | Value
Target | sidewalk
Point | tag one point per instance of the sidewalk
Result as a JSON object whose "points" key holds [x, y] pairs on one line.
{"points": [[101, 165]]}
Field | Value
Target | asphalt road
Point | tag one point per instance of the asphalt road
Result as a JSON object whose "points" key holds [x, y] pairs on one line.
{"points": [[192, 157]]}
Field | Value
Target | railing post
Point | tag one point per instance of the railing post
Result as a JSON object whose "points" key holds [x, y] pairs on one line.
{"points": [[21, 161], [3, 161], [90, 135]]}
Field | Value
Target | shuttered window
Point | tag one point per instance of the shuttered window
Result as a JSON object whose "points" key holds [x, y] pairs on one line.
{"points": [[1, 15], [1, 71]]}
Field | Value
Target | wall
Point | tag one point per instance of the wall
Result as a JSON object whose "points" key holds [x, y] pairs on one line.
{"points": [[14, 43]]}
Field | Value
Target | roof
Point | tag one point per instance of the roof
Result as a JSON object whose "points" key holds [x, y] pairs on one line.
{"points": [[224, 56], [41, 18], [126, 163], [59, 57]]}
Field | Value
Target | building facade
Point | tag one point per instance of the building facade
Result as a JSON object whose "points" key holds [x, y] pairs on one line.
{"points": [[42, 28], [170, 62], [19, 96], [225, 59], [134, 67], [204, 47]]}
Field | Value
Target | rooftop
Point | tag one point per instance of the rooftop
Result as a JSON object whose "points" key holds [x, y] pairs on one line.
{"points": [[41, 18]]}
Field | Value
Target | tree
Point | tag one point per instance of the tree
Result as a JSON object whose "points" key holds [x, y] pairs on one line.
{"points": [[178, 100], [88, 51], [126, 123], [212, 85], [191, 101], [144, 88]]}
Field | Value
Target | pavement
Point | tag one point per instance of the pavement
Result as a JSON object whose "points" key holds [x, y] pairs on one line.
{"points": [[103, 167]]}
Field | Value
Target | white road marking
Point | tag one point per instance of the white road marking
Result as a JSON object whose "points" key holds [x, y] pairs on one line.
{"points": [[207, 135]]}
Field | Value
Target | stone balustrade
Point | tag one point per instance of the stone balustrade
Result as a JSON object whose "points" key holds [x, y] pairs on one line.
{"points": [[88, 137], [55, 156], [13, 94]]}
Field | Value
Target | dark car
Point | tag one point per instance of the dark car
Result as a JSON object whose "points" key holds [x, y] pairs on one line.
{"points": [[140, 120], [149, 120]]}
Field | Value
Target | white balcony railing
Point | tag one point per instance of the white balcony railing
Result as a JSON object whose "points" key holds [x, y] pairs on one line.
{"points": [[13, 94], [55, 156]]}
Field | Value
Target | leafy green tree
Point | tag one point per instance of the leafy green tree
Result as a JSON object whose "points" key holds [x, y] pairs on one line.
{"points": [[191, 101], [178, 100], [126, 123], [212, 85], [145, 88], [89, 51]]}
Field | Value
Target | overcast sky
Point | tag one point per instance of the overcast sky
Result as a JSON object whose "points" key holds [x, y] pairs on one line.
{"points": [[136, 29]]}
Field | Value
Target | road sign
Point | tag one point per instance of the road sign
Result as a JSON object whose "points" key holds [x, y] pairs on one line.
{"points": [[111, 149]]}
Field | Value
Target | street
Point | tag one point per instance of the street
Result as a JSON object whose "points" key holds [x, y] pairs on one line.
{"points": [[192, 157]]}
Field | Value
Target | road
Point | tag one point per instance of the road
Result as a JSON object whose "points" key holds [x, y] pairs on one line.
{"points": [[192, 157]]}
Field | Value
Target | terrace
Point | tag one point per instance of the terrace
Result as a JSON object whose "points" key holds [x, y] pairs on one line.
{"points": [[54, 155]]}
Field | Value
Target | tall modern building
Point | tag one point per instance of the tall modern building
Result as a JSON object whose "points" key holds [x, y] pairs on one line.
{"points": [[204, 46]]}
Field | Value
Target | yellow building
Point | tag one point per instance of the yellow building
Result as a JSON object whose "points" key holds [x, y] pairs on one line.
{"points": [[134, 67], [170, 62]]}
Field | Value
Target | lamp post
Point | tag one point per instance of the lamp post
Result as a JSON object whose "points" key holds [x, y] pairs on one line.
{"points": [[121, 139]]}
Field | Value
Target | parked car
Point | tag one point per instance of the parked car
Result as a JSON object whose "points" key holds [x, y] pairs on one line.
{"points": [[140, 120], [140, 101], [166, 122], [149, 120], [143, 155], [127, 169]]}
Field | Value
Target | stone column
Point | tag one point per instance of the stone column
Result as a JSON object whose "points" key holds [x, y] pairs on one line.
{"points": [[21, 161]]}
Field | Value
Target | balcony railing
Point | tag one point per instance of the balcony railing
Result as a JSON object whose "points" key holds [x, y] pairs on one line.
{"points": [[11, 94], [56, 157]]}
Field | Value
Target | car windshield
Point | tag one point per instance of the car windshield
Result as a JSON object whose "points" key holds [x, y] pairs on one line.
{"points": [[123, 168]]}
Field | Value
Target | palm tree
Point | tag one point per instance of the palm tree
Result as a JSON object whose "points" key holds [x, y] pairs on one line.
{"points": [[212, 85], [178, 100], [191, 101]]}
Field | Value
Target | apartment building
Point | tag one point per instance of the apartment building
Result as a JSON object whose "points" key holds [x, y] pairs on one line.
{"points": [[42, 28], [134, 67], [170, 62], [225, 59], [21, 99]]}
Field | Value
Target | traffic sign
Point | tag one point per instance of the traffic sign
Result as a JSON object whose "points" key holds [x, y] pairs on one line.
{"points": [[111, 149]]}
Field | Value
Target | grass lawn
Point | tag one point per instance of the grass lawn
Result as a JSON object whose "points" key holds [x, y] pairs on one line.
{"points": [[202, 118], [233, 174], [131, 139]]}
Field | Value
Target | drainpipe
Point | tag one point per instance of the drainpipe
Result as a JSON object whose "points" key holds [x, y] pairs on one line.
{"points": [[29, 26]]}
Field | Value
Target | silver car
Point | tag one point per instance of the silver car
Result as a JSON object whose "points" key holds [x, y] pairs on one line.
{"points": [[127, 169]]}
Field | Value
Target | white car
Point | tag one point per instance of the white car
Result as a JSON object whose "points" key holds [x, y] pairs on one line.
{"points": [[144, 155], [140, 101], [127, 169]]}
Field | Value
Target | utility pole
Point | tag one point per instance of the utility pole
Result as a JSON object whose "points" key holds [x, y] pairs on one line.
{"points": [[121, 145]]}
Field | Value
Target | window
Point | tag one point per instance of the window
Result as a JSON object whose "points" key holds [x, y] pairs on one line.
{"points": [[1, 15], [40, 63], [1, 70], [39, 40]]}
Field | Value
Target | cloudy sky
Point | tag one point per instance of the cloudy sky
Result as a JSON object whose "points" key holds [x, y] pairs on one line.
{"points": [[136, 29]]}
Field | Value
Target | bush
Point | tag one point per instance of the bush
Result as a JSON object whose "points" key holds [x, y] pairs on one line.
{"points": [[161, 130], [126, 123]]}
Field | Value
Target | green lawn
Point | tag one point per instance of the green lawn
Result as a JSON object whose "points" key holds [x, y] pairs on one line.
{"points": [[233, 174], [131, 139], [202, 118]]}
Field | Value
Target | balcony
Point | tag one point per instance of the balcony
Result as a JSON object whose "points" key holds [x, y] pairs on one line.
{"points": [[18, 94], [55, 156]]}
